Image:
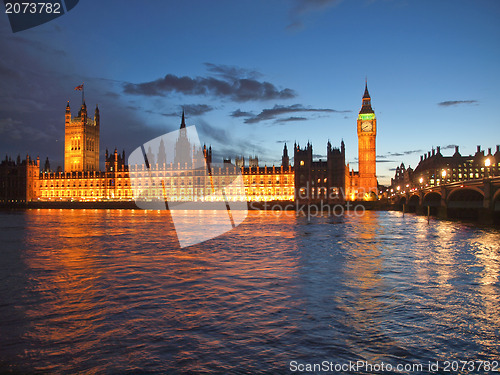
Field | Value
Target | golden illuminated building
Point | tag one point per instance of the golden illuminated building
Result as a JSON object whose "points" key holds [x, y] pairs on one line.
{"points": [[260, 184], [81, 141], [367, 133], [307, 180], [179, 182]]}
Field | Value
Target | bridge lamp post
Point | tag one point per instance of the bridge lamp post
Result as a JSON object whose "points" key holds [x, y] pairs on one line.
{"points": [[421, 180], [443, 175], [487, 163]]}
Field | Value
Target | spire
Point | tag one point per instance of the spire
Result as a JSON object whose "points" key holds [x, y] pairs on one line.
{"points": [[366, 94], [183, 122], [67, 107], [367, 105], [46, 167], [83, 110]]}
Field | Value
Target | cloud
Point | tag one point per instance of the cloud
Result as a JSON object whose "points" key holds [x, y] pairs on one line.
{"points": [[232, 72], [16, 130], [283, 141], [191, 110], [386, 161], [197, 109], [236, 84], [239, 113], [295, 25], [289, 119], [213, 133], [449, 103], [448, 147], [37, 45], [277, 110], [5, 71], [226, 144], [305, 6], [302, 7], [112, 95], [400, 153], [35, 83]]}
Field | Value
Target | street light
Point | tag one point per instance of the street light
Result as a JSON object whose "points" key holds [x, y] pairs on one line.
{"points": [[443, 175], [487, 162], [421, 180]]}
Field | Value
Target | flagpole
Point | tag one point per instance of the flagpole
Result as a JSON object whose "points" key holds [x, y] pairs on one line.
{"points": [[83, 92]]}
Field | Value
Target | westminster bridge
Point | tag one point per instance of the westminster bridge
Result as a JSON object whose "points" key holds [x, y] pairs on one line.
{"points": [[473, 199]]}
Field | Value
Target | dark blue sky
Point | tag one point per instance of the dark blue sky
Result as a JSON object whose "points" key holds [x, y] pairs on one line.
{"points": [[254, 74]]}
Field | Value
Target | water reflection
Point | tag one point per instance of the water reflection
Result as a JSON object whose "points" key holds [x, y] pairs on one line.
{"points": [[111, 291]]}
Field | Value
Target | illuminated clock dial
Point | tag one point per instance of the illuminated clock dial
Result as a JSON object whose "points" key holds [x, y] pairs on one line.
{"points": [[366, 126]]}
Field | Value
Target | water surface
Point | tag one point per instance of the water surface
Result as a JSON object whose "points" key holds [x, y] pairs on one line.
{"points": [[110, 291]]}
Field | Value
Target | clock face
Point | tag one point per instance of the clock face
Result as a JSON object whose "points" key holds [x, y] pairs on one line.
{"points": [[366, 126]]}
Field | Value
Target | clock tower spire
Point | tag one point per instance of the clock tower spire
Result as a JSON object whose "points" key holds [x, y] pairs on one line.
{"points": [[367, 133]]}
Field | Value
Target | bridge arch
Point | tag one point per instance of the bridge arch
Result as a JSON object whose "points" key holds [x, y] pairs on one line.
{"points": [[496, 196], [465, 203], [432, 196], [465, 194], [495, 204], [432, 200], [400, 201], [413, 203], [458, 189]]}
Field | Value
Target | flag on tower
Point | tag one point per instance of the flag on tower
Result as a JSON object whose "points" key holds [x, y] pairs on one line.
{"points": [[79, 88]]}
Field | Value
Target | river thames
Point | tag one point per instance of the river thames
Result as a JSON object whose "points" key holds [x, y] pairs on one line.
{"points": [[111, 292]]}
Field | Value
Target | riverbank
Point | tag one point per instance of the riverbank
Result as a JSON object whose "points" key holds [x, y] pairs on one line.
{"points": [[271, 205]]}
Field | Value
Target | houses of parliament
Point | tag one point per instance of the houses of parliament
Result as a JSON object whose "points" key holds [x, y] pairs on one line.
{"points": [[307, 180]]}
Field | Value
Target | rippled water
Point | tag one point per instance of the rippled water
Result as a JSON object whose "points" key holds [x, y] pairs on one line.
{"points": [[110, 291]]}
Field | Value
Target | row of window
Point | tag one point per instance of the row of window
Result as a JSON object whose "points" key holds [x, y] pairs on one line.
{"points": [[82, 193], [76, 144]]}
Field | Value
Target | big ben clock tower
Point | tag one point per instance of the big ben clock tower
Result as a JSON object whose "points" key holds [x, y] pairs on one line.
{"points": [[367, 132]]}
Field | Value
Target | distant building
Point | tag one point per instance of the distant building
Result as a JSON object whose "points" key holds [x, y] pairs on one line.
{"points": [[18, 179], [435, 169], [402, 176]]}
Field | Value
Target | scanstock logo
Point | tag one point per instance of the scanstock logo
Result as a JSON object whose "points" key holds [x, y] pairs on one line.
{"points": [[26, 14], [172, 172]]}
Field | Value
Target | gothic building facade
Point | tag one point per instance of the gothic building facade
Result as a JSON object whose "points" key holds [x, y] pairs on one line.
{"points": [[331, 180], [321, 180], [435, 169], [81, 140], [367, 133], [307, 180]]}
